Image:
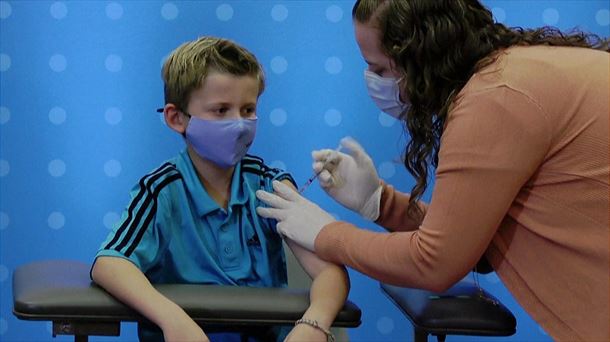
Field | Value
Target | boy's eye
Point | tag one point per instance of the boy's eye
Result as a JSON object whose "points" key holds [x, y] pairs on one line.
{"points": [[249, 112], [222, 110]]}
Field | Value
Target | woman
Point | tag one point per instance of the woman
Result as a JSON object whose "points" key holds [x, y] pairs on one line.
{"points": [[515, 123]]}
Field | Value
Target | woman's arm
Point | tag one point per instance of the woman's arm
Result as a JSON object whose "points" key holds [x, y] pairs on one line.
{"points": [[393, 214], [493, 143], [127, 283]]}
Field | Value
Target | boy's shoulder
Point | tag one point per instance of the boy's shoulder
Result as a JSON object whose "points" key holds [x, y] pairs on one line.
{"points": [[254, 167], [160, 177]]}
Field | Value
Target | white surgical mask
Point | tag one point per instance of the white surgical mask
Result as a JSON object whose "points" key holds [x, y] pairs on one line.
{"points": [[386, 94]]}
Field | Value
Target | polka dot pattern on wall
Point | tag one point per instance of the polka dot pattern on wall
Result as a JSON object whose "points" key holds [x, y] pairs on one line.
{"points": [[278, 164], [224, 12], [5, 9], [57, 115], [57, 168], [5, 220], [278, 117], [169, 11], [499, 14], [113, 63], [279, 13], [56, 220], [113, 116], [279, 64], [59, 10], [5, 62], [114, 11], [333, 65], [5, 115], [112, 168], [334, 14], [550, 16], [386, 170], [602, 17], [5, 168], [386, 120], [385, 325], [58, 63], [332, 117], [110, 219], [62, 119]]}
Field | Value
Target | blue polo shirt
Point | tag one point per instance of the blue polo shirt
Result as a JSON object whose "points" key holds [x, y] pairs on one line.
{"points": [[175, 232]]}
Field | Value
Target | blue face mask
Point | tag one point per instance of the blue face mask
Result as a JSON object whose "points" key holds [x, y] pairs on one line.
{"points": [[223, 142]]}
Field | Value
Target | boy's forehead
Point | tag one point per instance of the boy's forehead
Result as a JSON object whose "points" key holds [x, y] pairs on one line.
{"points": [[218, 78], [227, 85]]}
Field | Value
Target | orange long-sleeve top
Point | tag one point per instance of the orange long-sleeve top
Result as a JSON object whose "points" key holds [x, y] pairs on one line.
{"points": [[522, 179]]}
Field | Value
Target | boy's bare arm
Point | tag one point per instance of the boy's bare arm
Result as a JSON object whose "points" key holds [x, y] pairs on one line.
{"points": [[329, 288], [330, 285], [128, 284]]}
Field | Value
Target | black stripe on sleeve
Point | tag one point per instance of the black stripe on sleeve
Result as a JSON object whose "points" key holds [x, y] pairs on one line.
{"points": [[267, 173], [150, 197], [250, 159], [151, 213], [145, 183]]}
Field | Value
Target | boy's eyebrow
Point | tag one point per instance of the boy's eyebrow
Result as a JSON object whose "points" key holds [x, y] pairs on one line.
{"points": [[222, 103]]}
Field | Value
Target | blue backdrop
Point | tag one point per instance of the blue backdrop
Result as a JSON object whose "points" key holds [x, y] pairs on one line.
{"points": [[80, 81]]}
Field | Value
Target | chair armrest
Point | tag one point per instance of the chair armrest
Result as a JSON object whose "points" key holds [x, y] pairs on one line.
{"points": [[62, 290], [461, 310]]}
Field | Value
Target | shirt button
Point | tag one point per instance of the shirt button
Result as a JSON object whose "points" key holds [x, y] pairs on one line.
{"points": [[228, 250]]}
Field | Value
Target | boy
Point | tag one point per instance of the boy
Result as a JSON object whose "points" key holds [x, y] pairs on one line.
{"points": [[194, 220]]}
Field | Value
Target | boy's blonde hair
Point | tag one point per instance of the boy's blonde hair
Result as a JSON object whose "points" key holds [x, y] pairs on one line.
{"points": [[188, 65]]}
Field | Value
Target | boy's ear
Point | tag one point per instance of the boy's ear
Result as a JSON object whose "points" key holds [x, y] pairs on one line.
{"points": [[174, 119]]}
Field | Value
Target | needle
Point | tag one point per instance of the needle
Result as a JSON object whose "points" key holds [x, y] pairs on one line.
{"points": [[315, 175]]}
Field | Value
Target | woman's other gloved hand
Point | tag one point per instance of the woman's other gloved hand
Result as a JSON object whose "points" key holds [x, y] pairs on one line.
{"points": [[350, 178]]}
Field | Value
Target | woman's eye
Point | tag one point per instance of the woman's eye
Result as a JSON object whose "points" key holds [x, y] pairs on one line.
{"points": [[222, 110]]}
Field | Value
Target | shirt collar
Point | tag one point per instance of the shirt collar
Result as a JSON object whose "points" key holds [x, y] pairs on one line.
{"points": [[203, 202]]}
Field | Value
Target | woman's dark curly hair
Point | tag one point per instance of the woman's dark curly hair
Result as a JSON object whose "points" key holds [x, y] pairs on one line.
{"points": [[438, 45]]}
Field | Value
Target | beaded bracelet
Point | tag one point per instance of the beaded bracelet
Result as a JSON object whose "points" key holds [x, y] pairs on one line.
{"points": [[329, 335]]}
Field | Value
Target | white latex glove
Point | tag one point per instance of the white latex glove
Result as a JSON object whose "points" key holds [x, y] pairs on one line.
{"points": [[351, 179], [297, 218]]}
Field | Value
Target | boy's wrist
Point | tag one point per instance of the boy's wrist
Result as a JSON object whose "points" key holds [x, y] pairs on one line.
{"points": [[172, 315], [320, 315], [330, 337]]}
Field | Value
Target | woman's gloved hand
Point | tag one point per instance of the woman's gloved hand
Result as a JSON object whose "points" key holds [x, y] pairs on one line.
{"points": [[297, 218], [350, 178]]}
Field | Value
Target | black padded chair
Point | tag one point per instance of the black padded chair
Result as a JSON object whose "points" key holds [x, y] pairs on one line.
{"points": [[464, 309], [61, 291]]}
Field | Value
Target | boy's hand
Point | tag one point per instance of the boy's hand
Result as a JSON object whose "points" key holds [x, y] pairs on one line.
{"points": [[304, 332], [182, 328]]}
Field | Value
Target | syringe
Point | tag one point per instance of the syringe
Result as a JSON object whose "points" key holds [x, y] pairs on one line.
{"points": [[315, 175]]}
